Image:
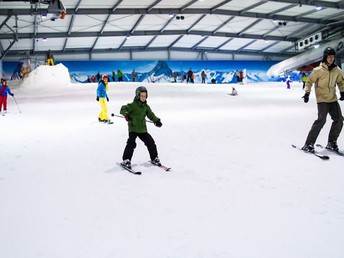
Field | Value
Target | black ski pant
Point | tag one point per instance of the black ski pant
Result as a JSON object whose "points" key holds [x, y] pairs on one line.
{"points": [[131, 145], [335, 112]]}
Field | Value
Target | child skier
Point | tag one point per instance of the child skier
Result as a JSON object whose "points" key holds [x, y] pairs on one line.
{"points": [[234, 92], [101, 96], [4, 90], [135, 114]]}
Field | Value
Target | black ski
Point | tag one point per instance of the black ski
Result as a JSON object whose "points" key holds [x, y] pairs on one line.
{"points": [[161, 166], [129, 169], [323, 157], [332, 151]]}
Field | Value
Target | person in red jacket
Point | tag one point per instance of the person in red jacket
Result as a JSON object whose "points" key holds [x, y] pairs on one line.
{"points": [[3, 95]]}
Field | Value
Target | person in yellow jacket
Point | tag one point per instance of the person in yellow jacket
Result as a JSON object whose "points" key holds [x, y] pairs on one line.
{"points": [[325, 78], [101, 96], [304, 78]]}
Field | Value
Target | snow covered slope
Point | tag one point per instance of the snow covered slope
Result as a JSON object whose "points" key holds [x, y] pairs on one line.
{"points": [[237, 188]]}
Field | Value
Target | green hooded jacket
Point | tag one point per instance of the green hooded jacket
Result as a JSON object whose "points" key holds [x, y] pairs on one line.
{"points": [[137, 112]]}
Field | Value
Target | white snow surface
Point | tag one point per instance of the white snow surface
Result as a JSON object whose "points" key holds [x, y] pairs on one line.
{"points": [[237, 188]]}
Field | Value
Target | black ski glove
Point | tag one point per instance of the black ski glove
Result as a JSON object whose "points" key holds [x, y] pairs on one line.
{"points": [[12, 95], [97, 98], [341, 96], [107, 98], [158, 123], [306, 97]]}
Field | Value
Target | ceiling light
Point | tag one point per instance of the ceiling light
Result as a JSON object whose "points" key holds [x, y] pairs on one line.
{"points": [[318, 8], [44, 39]]}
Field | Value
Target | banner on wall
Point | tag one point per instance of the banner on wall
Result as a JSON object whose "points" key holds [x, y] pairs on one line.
{"points": [[159, 71]]}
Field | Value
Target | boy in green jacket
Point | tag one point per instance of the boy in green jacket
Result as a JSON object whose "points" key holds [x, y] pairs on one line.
{"points": [[135, 114]]}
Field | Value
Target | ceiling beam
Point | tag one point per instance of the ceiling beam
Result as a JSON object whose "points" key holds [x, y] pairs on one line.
{"points": [[244, 46], [251, 7], [152, 5], [224, 43], [219, 5], [139, 49], [222, 25], [167, 11], [145, 33], [269, 46], [249, 26], [174, 42], [195, 23], [188, 4], [137, 24], [338, 5], [198, 43]]}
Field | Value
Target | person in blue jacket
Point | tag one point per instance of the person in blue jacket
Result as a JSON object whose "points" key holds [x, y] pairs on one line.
{"points": [[4, 90], [101, 96]]}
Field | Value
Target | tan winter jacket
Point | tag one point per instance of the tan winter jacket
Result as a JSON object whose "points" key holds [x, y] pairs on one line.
{"points": [[325, 83]]}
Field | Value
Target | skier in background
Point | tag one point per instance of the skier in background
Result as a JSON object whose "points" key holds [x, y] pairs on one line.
{"points": [[4, 90], [135, 114], [120, 75], [203, 75], [175, 75], [325, 77], [50, 58], [288, 81], [304, 78], [133, 74], [101, 96], [190, 76], [234, 92]]}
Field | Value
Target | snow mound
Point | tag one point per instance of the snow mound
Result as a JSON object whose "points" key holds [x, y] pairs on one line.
{"points": [[47, 77]]}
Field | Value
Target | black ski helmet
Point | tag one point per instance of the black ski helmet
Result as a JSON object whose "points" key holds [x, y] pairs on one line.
{"points": [[327, 52], [139, 90]]}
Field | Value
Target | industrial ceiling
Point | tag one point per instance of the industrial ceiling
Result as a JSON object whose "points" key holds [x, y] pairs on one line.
{"points": [[245, 27]]}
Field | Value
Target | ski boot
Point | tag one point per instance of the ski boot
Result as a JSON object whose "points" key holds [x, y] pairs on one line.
{"points": [[156, 162], [126, 163], [308, 147], [332, 146]]}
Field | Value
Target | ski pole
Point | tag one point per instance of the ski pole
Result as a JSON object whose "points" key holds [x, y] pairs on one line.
{"points": [[16, 103], [112, 114]]}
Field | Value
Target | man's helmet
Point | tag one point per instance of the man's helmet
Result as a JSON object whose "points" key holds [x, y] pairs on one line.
{"points": [[139, 90], [105, 76], [327, 52]]}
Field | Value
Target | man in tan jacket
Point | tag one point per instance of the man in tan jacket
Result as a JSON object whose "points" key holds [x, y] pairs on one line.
{"points": [[325, 77]]}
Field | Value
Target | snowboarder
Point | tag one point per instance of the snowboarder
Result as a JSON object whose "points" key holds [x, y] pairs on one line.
{"points": [[101, 96], [135, 113], [325, 77], [4, 90]]}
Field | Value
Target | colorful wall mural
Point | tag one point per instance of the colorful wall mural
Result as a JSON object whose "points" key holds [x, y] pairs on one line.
{"points": [[161, 71]]}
